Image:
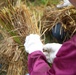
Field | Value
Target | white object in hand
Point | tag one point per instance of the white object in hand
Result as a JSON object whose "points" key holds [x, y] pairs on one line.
{"points": [[33, 43], [51, 50]]}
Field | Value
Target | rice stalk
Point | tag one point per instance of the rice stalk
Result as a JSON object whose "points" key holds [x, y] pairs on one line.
{"points": [[17, 23], [66, 16]]}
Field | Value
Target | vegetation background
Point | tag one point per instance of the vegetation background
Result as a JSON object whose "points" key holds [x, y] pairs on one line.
{"points": [[36, 6]]}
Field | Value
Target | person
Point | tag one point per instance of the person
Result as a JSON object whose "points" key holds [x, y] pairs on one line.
{"points": [[62, 56], [64, 4]]}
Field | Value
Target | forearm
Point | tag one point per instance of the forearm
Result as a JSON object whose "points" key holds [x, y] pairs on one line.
{"points": [[37, 64]]}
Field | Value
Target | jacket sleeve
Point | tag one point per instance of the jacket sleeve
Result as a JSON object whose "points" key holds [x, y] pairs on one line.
{"points": [[64, 63], [37, 64]]}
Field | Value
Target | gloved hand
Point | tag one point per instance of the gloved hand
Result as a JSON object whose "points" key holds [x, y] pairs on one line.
{"points": [[33, 43], [65, 4], [50, 51]]}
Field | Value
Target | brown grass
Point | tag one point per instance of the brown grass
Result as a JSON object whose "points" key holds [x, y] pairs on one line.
{"points": [[66, 16], [15, 23]]}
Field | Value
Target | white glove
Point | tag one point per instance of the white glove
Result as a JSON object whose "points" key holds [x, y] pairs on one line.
{"points": [[50, 51], [33, 43], [66, 3]]}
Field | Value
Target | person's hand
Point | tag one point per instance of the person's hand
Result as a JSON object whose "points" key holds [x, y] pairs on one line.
{"points": [[65, 4], [50, 51], [33, 43]]}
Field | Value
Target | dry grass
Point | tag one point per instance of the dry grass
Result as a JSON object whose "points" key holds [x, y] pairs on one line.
{"points": [[66, 16], [15, 24]]}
